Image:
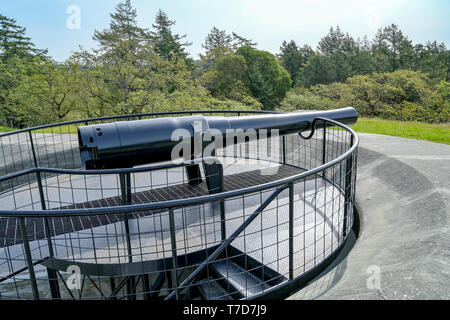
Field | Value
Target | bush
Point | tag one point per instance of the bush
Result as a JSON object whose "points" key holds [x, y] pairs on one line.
{"points": [[400, 95], [307, 101]]}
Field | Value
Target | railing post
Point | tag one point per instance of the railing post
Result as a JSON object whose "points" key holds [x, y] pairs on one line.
{"points": [[291, 231], [125, 189], [284, 149], [32, 148], [223, 231], [27, 253], [173, 242], [112, 284], [347, 188], [324, 141], [324, 147], [52, 275]]}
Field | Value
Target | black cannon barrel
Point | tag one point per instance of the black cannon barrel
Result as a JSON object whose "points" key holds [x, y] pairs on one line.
{"points": [[126, 144]]}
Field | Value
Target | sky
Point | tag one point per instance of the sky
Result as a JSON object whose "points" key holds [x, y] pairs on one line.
{"points": [[62, 26]]}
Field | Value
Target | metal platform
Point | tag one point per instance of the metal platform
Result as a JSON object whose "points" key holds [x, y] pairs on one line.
{"points": [[9, 228], [92, 239], [249, 244]]}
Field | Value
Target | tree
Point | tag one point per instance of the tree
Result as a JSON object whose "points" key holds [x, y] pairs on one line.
{"points": [[126, 75], [443, 88], [433, 59], [167, 44], [392, 49], [124, 36], [228, 70], [13, 41], [334, 42], [218, 42], [46, 95], [338, 57], [400, 95], [340, 49], [115, 70], [239, 41], [217, 39], [121, 74], [225, 80], [291, 59], [318, 70], [266, 79], [12, 72], [361, 57]]}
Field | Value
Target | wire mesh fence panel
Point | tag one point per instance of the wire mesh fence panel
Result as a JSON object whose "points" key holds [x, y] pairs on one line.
{"points": [[271, 210]]}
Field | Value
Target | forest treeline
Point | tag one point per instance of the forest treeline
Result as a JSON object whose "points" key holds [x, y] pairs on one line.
{"points": [[387, 77], [136, 70]]}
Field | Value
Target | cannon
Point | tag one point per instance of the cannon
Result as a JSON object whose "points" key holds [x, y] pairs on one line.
{"points": [[126, 144]]}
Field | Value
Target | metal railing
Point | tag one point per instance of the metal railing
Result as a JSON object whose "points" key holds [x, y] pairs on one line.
{"points": [[144, 233]]}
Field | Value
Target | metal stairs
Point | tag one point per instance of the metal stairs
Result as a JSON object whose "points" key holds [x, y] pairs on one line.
{"points": [[235, 276]]}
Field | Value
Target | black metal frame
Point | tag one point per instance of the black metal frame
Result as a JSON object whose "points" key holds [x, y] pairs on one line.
{"points": [[171, 265]]}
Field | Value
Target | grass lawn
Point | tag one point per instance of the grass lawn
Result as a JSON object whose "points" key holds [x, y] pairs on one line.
{"points": [[63, 129], [415, 130], [70, 128], [5, 129]]}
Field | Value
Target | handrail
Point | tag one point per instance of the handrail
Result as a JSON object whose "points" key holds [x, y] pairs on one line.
{"points": [[226, 242], [176, 202], [15, 273], [126, 116], [107, 171]]}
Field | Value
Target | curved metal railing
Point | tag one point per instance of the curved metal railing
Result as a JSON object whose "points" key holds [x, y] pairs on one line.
{"points": [[123, 229]]}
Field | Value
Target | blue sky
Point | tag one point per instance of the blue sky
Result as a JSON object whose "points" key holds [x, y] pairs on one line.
{"points": [[268, 22]]}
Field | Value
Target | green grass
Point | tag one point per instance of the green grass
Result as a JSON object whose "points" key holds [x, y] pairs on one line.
{"points": [[64, 129], [439, 133], [71, 128], [5, 129]]}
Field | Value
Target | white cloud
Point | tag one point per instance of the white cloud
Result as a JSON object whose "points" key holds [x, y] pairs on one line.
{"points": [[298, 13]]}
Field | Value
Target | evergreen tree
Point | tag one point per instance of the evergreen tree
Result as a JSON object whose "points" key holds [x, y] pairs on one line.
{"points": [[13, 40], [126, 74], [434, 59], [340, 48], [292, 58], [166, 43], [361, 59], [240, 41], [123, 30], [334, 42], [219, 42], [318, 70], [392, 49], [217, 39]]}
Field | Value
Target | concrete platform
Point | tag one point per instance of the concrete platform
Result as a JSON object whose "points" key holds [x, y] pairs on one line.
{"points": [[403, 249]]}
